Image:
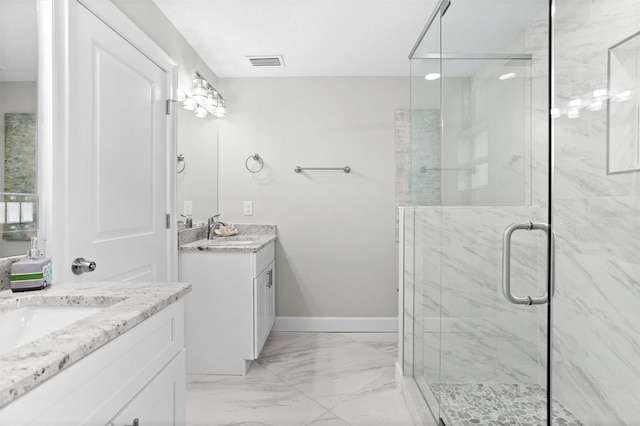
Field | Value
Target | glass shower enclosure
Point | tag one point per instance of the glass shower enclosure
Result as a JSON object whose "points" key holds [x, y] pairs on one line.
{"points": [[520, 213]]}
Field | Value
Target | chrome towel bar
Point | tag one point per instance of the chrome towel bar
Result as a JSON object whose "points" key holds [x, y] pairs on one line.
{"points": [[345, 169]]}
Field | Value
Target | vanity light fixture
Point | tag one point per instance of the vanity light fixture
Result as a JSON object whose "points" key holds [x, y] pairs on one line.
{"points": [[221, 110], [204, 99], [189, 104], [201, 112]]}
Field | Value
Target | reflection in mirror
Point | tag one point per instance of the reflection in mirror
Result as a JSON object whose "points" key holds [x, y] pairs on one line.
{"points": [[18, 105], [197, 182]]}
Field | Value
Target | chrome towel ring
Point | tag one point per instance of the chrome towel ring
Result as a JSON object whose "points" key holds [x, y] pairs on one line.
{"points": [[184, 163], [255, 157]]}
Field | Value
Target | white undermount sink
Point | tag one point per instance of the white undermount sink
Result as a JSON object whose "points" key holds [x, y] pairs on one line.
{"points": [[21, 326]]}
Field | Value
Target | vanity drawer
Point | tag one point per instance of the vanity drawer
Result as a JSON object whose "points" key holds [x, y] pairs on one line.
{"points": [[264, 257]]}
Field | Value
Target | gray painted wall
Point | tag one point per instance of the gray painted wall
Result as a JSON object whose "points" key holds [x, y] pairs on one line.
{"points": [[337, 251]]}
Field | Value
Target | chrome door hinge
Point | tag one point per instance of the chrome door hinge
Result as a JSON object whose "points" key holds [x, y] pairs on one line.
{"points": [[168, 107], [168, 221]]}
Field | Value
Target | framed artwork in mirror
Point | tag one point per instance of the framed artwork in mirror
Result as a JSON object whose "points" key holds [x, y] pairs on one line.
{"points": [[18, 208]]}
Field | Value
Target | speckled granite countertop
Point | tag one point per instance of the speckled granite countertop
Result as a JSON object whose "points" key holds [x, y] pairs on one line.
{"points": [[127, 304], [250, 238], [235, 244]]}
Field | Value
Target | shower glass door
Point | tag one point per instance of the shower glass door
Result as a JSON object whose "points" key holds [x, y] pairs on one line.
{"points": [[480, 345]]}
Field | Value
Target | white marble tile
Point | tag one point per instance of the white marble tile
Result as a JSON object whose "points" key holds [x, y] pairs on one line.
{"points": [[278, 340], [292, 386], [328, 419], [363, 408], [386, 343], [595, 338], [408, 276], [259, 398], [327, 367]]}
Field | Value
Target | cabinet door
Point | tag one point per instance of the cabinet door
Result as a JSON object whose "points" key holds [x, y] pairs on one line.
{"points": [[161, 401], [264, 306], [260, 331], [271, 297]]}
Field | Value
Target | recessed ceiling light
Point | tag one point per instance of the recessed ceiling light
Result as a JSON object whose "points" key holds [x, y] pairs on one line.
{"points": [[507, 76], [432, 76]]}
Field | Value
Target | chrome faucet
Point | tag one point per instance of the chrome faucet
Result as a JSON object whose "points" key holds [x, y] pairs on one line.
{"points": [[212, 224], [188, 223]]}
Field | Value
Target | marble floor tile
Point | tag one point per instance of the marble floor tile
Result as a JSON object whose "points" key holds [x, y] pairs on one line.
{"points": [[260, 398], [280, 340], [327, 367], [384, 342], [328, 419], [299, 379], [363, 408]]}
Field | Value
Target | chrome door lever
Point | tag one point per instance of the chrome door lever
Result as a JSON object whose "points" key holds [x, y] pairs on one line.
{"points": [[506, 262], [80, 266]]}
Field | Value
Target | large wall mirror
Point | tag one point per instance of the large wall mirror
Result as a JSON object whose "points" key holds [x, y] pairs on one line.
{"points": [[18, 125], [197, 180]]}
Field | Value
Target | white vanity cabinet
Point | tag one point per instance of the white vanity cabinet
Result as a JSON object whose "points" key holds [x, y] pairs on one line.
{"points": [[231, 308], [138, 375], [155, 404]]}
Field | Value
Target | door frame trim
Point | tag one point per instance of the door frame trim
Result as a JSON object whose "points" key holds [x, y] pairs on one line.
{"points": [[53, 176]]}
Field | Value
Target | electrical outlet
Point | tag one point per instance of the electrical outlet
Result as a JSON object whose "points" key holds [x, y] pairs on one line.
{"points": [[188, 207], [248, 208]]}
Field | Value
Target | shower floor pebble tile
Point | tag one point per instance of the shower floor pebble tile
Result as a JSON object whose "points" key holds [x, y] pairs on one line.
{"points": [[498, 404], [319, 379]]}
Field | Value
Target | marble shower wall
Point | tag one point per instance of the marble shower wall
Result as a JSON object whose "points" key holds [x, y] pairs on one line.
{"points": [[596, 311]]}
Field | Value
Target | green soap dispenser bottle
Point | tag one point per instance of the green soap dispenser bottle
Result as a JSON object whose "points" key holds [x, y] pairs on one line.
{"points": [[33, 273]]}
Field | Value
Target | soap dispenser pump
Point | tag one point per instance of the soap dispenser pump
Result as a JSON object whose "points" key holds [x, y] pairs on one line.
{"points": [[32, 273]]}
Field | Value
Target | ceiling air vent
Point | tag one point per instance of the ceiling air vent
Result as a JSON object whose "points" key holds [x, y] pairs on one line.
{"points": [[266, 61]]}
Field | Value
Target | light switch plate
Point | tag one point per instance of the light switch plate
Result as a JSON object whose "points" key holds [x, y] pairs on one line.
{"points": [[248, 208], [188, 207]]}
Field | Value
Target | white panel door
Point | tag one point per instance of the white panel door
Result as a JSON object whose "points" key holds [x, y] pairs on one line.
{"points": [[117, 166]]}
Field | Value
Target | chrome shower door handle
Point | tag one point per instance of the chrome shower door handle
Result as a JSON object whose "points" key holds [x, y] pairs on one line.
{"points": [[506, 262]]}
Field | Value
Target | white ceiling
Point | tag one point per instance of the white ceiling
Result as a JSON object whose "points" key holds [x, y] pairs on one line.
{"points": [[315, 37]]}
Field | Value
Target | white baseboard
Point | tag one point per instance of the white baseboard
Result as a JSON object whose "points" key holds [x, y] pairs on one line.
{"points": [[338, 324]]}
